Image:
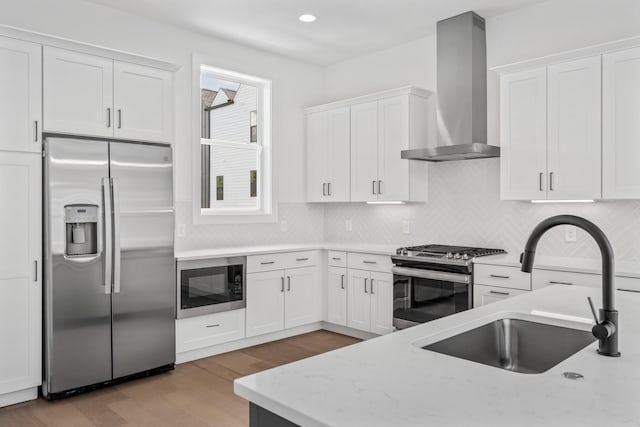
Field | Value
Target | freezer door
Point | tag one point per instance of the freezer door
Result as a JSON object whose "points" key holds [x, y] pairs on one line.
{"points": [[77, 303], [144, 267]]}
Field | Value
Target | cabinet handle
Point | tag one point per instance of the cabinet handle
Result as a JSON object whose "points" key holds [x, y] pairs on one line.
{"points": [[369, 262], [267, 262], [35, 276], [629, 290], [302, 259], [109, 117], [541, 175], [282, 284], [324, 188], [497, 276], [371, 287], [212, 326], [328, 188], [379, 187], [342, 281], [289, 283], [553, 282], [373, 189], [365, 286], [336, 259], [550, 181], [119, 118], [499, 293], [35, 131]]}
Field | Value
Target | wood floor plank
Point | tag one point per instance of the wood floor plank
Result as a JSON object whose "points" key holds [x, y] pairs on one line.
{"points": [[195, 394]]}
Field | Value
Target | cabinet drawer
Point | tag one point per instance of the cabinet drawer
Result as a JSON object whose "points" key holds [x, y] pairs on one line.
{"points": [[301, 259], [204, 331], [501, 276], [266, 262], [627, 284], [370, 262], [543, 278], [337, 258], [483, 295]]}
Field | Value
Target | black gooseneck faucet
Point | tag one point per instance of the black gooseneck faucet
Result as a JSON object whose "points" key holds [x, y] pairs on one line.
{"points": [[606, 327]]}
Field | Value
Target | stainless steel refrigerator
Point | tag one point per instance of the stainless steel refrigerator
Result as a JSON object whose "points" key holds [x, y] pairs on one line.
{"points": [[109, 263]]}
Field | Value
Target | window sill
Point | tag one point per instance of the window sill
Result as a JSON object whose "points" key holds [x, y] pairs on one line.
{"points": [[234, 217]]}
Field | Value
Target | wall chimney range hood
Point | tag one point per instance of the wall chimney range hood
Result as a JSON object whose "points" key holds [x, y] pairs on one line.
{"points": [[461, 93]]}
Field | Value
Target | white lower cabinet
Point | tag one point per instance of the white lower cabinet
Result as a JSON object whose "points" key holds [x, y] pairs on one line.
{"points": [[337, 296], [282, 299], [212, 329], [370, 301], [483, 295], [543, 278], [493, 283]]}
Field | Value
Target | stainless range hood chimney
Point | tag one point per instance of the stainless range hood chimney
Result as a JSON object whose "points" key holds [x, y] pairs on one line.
{"points": [[462, 93]]}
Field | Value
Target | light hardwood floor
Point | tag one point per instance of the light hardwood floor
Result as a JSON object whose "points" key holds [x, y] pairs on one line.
{"points": [[196, 394]]}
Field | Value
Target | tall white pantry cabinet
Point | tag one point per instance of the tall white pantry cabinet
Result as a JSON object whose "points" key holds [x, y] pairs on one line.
{"points": [[20, 220]]}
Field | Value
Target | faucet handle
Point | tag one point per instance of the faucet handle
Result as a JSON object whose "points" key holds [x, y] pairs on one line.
{"points": [[593, 311]]}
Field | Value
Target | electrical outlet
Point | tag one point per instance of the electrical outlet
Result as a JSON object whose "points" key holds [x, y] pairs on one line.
{"points": [[182, 230], [348, 225], [283, 226], [570, 233], [406, 227]]}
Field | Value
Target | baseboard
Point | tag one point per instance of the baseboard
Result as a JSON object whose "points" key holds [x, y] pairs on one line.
{"points": [[18, 396], [344, 330]]}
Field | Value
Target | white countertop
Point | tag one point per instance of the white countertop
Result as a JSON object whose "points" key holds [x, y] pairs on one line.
{"points": [[578, 265], [257, 250], [388, 381]]}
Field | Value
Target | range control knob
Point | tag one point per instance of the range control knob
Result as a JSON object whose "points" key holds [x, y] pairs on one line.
{"points": [[465, 256], [457, 256], [449, 255], [405, 251], [399, 251]]}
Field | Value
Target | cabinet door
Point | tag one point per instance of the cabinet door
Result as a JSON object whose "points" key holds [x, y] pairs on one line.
{"points": [[316, 133], [78, 93], [20, 271], [303, 297], [358, 300], [523, 135], [21, 100], [393, 137], [337, 296], [364, 152], [381, 290], [483, 295], [574, 139], [337, 158], [143, 102], [621, 124], [265, 302]]}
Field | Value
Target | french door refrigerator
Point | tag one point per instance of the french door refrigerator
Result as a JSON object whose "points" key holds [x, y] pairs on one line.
{"points": [[109, 263]]}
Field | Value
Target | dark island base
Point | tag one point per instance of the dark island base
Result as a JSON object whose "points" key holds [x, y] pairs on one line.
{"points": [[260, 417]]}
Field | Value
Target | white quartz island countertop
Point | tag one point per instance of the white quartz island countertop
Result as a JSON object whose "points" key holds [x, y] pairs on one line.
{"points": [[391, 381]]}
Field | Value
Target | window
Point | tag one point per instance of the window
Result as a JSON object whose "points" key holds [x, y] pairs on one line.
{"points": [[235, 144]]}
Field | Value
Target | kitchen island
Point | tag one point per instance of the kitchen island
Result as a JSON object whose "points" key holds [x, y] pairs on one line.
{"points": [[392, 381]]}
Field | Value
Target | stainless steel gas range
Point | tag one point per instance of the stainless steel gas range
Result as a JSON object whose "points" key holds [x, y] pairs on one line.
{"points": [[433, 281]]}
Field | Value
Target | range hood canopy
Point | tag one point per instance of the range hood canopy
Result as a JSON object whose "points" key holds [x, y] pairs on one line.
{"points": [[462, 93]]}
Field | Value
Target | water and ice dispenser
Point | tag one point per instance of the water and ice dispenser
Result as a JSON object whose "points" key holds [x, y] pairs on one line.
{"points": [[81, 224]]}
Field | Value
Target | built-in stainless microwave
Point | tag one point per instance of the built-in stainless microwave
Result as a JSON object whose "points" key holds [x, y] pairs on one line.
{"points": [[210, 286]]}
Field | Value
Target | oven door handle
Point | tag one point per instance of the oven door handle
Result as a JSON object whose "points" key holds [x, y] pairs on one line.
{"points": [[430, 274]]}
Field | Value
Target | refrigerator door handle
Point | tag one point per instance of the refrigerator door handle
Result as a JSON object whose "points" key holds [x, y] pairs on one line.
{"points": [[108, 233], [115, 189]]}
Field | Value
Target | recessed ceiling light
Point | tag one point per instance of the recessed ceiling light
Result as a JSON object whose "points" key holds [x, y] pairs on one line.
{"points": [[307, 18]]}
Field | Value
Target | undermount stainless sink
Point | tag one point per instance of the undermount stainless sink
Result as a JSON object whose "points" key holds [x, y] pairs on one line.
{"points": [[516, 345]]}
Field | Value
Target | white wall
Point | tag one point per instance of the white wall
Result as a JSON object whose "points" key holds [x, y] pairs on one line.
{"points": [[295, 86], [464, 205]]}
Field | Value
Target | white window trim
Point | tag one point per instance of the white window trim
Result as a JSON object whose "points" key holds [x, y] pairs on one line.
{"points": [[267, 213]]}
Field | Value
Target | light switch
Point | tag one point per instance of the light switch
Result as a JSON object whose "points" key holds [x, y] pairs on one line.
{"points": [[570, 233], [182, 230], [283, 226], [348, 225], [406, 227]]}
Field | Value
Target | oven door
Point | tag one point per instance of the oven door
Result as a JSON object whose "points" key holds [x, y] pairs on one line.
{"points": [[210, 286], [420, 296]]}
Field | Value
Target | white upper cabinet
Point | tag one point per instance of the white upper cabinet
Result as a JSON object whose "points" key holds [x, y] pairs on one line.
{"points": [[523, 135], [21, 99], [550, 132], [78, 93], [621, 124], [328, 134], [143, 102], [574, 130], [91, 95], [364, 152]]}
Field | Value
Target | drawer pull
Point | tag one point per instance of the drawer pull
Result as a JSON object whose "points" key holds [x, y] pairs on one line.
{"points": [[499, 293], [369, 262], [553, 282], [498, 276], [213, 326], [302, 259], [336, 259], [629, 290], [267, 262]]}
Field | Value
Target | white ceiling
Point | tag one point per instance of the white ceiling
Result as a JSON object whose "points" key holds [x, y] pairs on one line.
{"points": [[344, 28]]}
